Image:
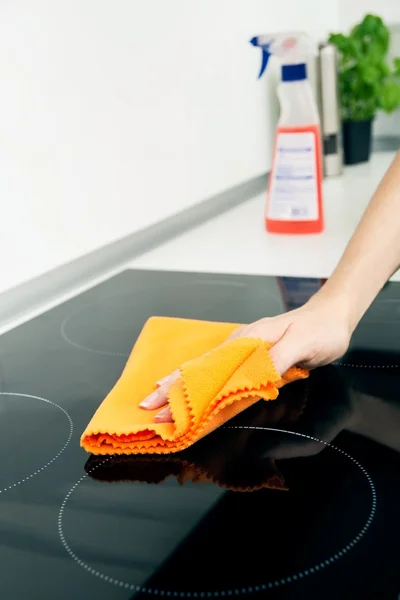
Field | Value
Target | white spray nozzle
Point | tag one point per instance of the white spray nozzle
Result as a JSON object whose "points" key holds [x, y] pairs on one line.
{"points": [[292, 48]]}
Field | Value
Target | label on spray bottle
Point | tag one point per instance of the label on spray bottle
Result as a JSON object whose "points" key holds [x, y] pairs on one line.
{"points": [[293, 189]]}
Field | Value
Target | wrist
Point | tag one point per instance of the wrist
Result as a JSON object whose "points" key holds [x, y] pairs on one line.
{"points": [[338, 305]]}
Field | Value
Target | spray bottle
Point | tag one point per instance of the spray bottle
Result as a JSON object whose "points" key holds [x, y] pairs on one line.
{"points": [[294, 197]]}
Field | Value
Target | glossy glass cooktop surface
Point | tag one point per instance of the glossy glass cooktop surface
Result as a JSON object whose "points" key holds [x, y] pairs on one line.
{"points": [[297, 498]]}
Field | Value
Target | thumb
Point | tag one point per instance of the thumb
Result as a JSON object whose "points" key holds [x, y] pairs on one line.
{"points": [[286, 352]]}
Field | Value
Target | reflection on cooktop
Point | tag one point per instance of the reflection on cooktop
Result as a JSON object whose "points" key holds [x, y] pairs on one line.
{"points": [[304, 506], [296, 498], [240, 458], [225, 457]]}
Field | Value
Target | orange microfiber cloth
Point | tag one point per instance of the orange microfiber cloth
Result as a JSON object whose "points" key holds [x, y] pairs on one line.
{"points": [[217, 381]]}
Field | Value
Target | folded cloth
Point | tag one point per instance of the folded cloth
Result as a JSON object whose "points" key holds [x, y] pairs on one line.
{"points": [[226, 457], [218, 379]]}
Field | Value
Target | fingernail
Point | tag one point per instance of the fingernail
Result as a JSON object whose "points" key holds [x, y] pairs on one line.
{"points": [[146, 403], [163, 380], [163, 413]]}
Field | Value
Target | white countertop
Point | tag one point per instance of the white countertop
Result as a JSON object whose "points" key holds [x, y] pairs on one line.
{"points": [[237, 242]]}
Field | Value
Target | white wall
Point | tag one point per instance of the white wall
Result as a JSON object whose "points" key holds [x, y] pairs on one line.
{"points": [[351, 11], [114, 115]]}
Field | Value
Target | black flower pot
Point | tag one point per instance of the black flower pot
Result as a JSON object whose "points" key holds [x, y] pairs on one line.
{"points": [[357, 141]]}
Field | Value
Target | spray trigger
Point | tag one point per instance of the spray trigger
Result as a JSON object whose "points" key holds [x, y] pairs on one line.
{"points": [[265, 53]]}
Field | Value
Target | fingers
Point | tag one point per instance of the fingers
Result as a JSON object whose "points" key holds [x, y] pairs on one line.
{"points": [[156, 399], [285, 353], [164, 416], [165, 379], [160, 397], [237, 333]]}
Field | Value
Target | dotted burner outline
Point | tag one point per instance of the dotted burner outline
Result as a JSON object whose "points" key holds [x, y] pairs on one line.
{"points": [[353, 366], [71, 430], [297, 576], [66, 338], [64, 324]]}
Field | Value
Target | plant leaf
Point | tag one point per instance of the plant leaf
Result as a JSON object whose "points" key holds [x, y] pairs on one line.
{"points": [[342, 42], [390, 96], [367, 82]]}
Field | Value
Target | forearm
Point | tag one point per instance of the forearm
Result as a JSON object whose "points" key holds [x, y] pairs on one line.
{"points": [[373, 253]]}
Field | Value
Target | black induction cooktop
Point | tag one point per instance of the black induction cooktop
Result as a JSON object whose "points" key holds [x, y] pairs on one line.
{"points": [[297, 498]]}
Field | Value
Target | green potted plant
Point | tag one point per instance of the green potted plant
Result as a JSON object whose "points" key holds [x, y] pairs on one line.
{"points": [[368, 83]]}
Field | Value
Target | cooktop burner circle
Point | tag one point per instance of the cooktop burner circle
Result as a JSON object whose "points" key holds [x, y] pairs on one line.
{"points": [[110, 325], [291, 578], [14, 395], [366, 366]]}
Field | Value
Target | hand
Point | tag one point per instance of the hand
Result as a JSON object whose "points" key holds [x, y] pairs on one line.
{"points": [[311, 336]]}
